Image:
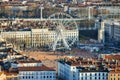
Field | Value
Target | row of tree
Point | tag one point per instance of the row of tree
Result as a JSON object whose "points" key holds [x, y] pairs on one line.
{"points": [[33, 12]]}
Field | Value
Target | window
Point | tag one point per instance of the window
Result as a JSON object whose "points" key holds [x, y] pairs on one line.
{"points": [[36, 73], [90, 78], [103, 77], [81, 78], [81, 74], [99, 74], [23, 77], [99, 77], [95, 74], [73, 75], [90, 74], [53, 76], [95, 78], [44, 77], [32, 77], [41, 73], [103, 74]]}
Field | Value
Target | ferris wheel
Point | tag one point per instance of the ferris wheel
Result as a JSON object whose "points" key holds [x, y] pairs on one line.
{"points": [[65, 31]]}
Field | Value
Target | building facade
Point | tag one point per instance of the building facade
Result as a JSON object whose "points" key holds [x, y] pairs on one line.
{"points": [[37, 37], [36, 73], [35, 70], [101, 32], [112, 30], [114, 75], [67, 72], [93, 75], [83, 70]]}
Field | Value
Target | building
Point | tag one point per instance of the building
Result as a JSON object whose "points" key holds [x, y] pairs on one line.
{"points": [[81, 69], [116, 32], [29, 63], [109, 31], [30, 70], [111, 56], [114, 75], [2, 76], [36, 73], [92, 73], [35, 70], [112, 30], [101, 32], [36, 37]]}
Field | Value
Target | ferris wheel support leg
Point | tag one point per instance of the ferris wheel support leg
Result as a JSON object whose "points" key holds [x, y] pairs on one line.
{"points": [[66, 45], [64, 41], [55, 43]]}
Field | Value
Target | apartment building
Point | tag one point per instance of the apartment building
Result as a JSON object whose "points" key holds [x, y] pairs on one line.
{"points": [[36, 73], [37, 37], [92, 74], [35, 70], [114, 75], [81, 69], [112, 30]]}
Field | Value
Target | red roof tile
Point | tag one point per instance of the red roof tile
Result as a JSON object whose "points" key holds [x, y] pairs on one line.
{"points": [[114, 71], [40, 68]]}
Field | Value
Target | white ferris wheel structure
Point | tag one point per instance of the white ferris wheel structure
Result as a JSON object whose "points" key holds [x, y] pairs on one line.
{"points": [[62, 25]]}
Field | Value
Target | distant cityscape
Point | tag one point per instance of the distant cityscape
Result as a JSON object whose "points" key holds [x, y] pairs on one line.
{"points": [[59, 39]]}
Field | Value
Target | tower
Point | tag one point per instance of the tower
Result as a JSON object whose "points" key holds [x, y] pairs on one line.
{"points": [[101, 32]]}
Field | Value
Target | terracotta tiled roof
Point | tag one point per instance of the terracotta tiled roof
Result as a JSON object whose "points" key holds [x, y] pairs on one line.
{"points": [[114, 57], [114, 71], [40, 68], [75, 64]]}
